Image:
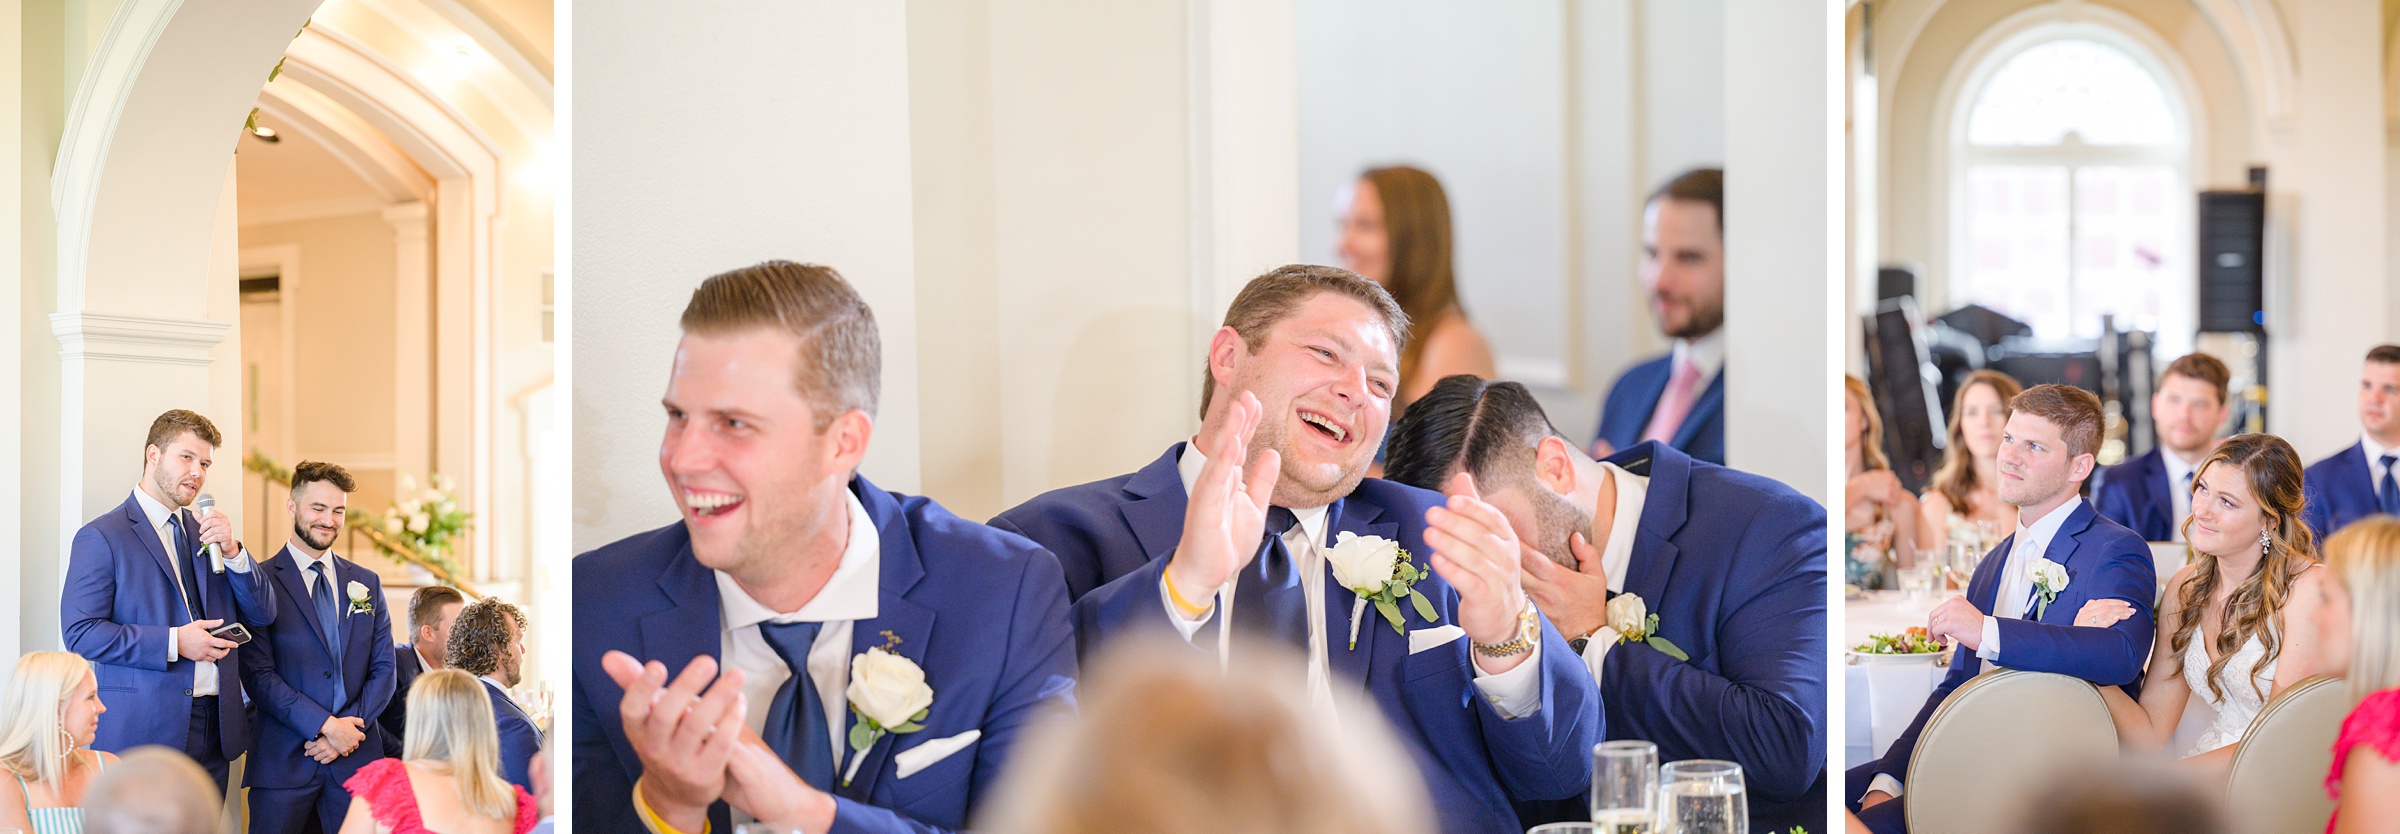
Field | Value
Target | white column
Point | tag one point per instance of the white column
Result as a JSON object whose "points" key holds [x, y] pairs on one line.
{"points": [[412, 332], [2334, 300], [26, 594], [1782, 165]]}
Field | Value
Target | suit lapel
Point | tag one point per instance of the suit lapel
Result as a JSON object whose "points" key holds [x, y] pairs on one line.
{"points": [[692, 621], [139, 525], [1711, 399], [900, 626], [356, 630], [2072, 557], [1665, 509], [1156, 512], [1363, 519]]}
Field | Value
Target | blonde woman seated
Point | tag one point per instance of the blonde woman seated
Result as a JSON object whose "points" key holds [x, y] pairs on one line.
{"points": [[2238, 623], [2360, 623], [53, 710], [1966, 489], [1879, 510], [448, 776]]}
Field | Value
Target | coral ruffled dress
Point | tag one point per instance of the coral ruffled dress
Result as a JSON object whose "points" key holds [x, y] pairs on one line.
{"points": [[384, 784]]}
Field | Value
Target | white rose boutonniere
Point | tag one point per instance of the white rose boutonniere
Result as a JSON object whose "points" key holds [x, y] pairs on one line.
{"points": [[2049, 578], [889, 694], [1631, 617], [1379, 572], [359, 603]]}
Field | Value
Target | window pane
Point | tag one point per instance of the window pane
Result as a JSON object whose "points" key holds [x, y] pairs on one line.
{"points": [[2125, 246], [2016, 238], [2096, 92]]}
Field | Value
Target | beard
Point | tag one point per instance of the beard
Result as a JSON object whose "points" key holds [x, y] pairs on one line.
{"points": [[1559, 520], [303, 532], [1706, 316], [166, 488]]}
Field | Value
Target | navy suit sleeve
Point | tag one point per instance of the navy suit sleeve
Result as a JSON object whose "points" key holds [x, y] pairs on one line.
{"points": [[1766, 710], [254, 596], [518, 742], [2111, 656], [1546, 755], [1128, 604], [603, 794], [2112, 500], [271, 694], [88, 603], [383, 675]]}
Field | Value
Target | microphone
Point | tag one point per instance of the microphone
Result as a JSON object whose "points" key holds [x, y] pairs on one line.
{"points": [[216, 560]]}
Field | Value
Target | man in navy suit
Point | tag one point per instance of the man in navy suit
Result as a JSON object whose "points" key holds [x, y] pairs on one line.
{"points": [[1298, 390], [2152, 493], [321, 673], [2358, 481], [2013, 618], [1678, 399], [143, 593], [1733, 564], [488, 641], [803, 582], [430, 613]]}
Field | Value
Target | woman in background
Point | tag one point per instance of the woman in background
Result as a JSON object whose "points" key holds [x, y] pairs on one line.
{"points": [[1395, 230], [2359, 622], [53, 712], [1966, 489], [447, 778], [1880, 514]]}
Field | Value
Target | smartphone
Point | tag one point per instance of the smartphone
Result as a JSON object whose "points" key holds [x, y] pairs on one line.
{"points": [[232, 631]]}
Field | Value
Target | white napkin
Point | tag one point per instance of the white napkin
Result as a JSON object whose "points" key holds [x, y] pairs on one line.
{"points": [[922, 756]]}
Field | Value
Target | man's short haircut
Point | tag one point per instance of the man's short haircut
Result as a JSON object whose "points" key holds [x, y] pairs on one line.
{"points": [[426, 606], [1699, 185], [1465, 423], [174, 423], [2384, 355], [2202, 368], [312, 471], [1270, 298], [841, 356], [479, 636], [2075, 411]]}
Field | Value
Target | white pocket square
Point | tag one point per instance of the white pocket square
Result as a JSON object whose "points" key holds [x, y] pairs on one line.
{"points": [[1427, 638], [922, 756]]}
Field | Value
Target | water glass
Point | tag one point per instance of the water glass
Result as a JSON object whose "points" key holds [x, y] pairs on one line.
{"points": [[1916, 581], [1624, 787], [1563, 828], [1702, 796], [1964, 557]]}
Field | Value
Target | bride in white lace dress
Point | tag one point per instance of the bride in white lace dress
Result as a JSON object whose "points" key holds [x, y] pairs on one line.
{"points": [[2234, 627]]}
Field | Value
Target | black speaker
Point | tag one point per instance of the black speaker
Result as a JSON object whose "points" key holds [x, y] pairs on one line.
{"points": [[2233, 234], [1895, 281]]}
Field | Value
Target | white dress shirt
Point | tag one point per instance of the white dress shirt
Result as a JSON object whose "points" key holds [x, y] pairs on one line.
{"points": [[2375, 452], [1617, 555], [1707, 355], [306, 564], [1515, 693], [2016, 585], [849, 595], [204, 675], [2180, 489]]}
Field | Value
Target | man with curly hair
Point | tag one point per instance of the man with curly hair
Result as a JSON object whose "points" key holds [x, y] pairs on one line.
{"points": [[487, 640]]}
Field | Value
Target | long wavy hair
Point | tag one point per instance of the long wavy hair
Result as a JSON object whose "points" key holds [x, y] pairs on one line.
{"points": [[2256, 606], [1416, 229], [2366, 557], [450, 721], [1955, 480], [1870, 444], [34, 742]]}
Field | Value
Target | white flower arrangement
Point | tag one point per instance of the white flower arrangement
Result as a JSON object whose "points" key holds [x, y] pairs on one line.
{"points": [[1633, 622], [359, 602], [2049, 578], [1379, 572], [889, 694]]}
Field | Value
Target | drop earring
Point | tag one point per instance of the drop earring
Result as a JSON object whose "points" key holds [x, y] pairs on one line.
{"points": [[2266, 544]]}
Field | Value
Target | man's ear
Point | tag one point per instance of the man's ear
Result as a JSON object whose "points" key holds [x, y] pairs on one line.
{"points": [[2082, 466], [1225, 349], [849, 434], [1554, 465]]}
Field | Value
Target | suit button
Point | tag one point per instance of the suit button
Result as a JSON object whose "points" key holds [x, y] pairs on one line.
{"points": [[328, 674], [187, 693]]}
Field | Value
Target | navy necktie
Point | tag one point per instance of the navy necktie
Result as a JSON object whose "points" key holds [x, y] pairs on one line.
{"points": [[329, 617], [186, 555], [2388, 493], [796, 720], [1267, 595]]}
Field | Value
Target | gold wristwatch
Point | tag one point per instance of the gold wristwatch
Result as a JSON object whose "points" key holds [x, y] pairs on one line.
{"points": [[1528, 631]]}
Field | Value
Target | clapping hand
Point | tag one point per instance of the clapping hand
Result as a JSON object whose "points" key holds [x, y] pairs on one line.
{"points": [[684, 733], [1575, 599], [1228, 512], [763, 786], [1476, 551]]}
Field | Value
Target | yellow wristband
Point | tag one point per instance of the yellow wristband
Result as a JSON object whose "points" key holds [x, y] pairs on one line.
{"points": [[1176, 596], [657, 823]]}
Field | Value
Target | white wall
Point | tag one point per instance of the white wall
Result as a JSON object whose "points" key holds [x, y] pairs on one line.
{"points": [[684, 169]]}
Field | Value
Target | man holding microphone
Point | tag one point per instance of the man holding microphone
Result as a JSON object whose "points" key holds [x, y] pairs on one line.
{"points": [[151, 587]]}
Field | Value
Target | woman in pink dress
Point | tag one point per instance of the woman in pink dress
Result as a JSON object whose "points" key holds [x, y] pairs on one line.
{"points": [[2360, 621], [448, 777]]}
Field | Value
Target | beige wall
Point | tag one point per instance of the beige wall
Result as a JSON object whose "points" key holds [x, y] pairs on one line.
{"points": [[341, 304]]}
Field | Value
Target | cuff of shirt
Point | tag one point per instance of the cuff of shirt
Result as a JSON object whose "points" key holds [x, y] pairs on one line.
{"points": [[1517, 692], [1595, 649], [1185, 627], [174, 652], [1885, 783], [1991, 639], [241, 562]]}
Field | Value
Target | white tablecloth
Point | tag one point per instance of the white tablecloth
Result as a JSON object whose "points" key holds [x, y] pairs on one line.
{"points": [[1883, 697]]}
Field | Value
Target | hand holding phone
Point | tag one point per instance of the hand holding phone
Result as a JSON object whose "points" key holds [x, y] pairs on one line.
{"points": [[231, 631]]}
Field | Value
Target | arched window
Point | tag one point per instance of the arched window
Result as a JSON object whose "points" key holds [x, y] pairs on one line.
{"points": [[2071, 192]]}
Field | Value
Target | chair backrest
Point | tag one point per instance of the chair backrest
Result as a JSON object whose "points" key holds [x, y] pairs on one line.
{"points": [[1997, 743], [2278, 778], [2167, 558]]}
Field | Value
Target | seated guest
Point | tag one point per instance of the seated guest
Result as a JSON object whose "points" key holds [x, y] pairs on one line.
{"points": [[1880, 512], [2013, 615], [2358, 481], [2250, 583], [809, 586], [155, 790], [1297, 392], [449, 779], [488, 641], [1733, 563], [320, 675], [53, 710], [1678, 399], [2152, 493], [1395, 230], [1965, 491], [1167, 743], [2359, 619], [429, 614]]}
